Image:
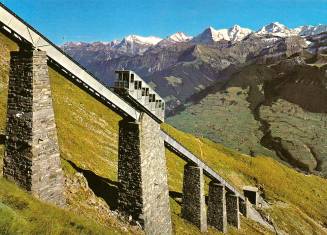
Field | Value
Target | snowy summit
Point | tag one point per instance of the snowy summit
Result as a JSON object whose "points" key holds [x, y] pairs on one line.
{"points": [[175, 38], [151, 40], [276, 29], [234, 34], [179, 37]]}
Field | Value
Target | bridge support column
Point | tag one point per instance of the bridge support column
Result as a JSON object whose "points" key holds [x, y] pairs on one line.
{"points": [[217, 216], [32, 157], [142, 175], [193, 208], [232, 206], [244, 207]]}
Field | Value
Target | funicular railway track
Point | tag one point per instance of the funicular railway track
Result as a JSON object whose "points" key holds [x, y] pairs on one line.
{"points": [[23, 32]]}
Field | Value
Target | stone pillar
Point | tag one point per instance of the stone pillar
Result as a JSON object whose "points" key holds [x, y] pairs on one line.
{"points": [[232, 207], [252, 194], [244, 207], [217, 216], [142, 175], [193, 208], [32, 157]]}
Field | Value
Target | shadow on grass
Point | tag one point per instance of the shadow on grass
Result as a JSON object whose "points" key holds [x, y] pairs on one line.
{"points": [[2, 139], [102, 187], [177, 196]]}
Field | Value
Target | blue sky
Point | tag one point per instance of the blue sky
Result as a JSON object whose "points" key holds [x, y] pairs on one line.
{"points": [[105, 20]]}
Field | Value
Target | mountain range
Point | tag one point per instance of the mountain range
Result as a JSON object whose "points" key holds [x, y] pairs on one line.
{"points": [[195, 60], [134, 44], [257, 92]]}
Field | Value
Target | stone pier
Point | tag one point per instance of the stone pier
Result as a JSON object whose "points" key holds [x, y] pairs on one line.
{"points": [[233, 212], [252, 194], [142, 175], [32, 157], [217, 216], [194, 208], [244, 207]]}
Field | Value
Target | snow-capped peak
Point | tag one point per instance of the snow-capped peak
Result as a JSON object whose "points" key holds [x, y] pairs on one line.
{"points": [[276, 29], [114, 42], [237, 33], [175, 38], [136, 45], [179, 37], [151, 40], [233, 34], [221, 34]]}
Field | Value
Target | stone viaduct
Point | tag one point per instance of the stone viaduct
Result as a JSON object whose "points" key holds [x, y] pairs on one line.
{"points": [[32, 157]]}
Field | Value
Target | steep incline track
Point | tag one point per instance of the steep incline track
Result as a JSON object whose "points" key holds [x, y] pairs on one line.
{"points": [[22, 31], [182, 152]]}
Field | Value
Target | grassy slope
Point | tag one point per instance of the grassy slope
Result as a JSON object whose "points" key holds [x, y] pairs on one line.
{"points": [[232, 130], [296, 198], [87, 129], [87, 133], [20, 213]]}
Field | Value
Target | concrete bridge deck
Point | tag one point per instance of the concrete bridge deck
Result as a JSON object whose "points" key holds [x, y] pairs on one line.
{"points": [[24, 32]]}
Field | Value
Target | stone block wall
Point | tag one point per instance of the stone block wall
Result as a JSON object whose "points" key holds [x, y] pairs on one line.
{"points": [[233, 212], [244, 206], [32, 157], [217, 216], [142, 175], [194, 208]]}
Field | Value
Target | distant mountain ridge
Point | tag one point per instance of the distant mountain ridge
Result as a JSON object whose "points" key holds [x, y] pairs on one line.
{"points": [[135, 44], [180, 65], [310, 30], [211, 35]]}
